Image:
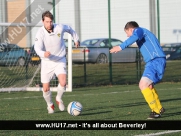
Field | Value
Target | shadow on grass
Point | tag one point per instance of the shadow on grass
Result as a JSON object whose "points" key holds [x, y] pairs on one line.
{"points": [[134, 104], [95, 113], [117, 106], [165, 115], [168, 100]]}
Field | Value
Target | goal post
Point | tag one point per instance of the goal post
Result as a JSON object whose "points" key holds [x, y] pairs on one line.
{"points": [[69, 88]]}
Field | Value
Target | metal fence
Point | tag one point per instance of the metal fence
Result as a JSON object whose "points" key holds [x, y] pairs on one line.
{"points": [[20, 20], [88, 73], [117, 73]]}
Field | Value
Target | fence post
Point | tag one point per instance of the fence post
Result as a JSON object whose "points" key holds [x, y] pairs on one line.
{"points": [[85, 78], [137, 64], [110, 55], [26, 67], [27, 59]]}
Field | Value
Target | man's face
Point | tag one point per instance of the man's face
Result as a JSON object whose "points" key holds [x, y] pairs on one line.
{"points": [[48, 23], [129, 32]]}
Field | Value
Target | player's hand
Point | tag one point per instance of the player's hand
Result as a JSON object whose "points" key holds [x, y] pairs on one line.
{"points": [[47, 54], [115, 49], [77, 44]]}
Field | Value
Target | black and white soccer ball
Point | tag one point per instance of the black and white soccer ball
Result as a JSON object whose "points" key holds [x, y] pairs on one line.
{"points": [[74, 108]]}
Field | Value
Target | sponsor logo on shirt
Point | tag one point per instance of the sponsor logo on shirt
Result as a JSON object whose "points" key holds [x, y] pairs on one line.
{"points": [[58, 34]]}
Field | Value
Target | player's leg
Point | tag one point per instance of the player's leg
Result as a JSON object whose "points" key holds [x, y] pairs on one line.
{"points": [[48, 97], [148, 94], [60, 72], [144, 85], [153, 73], [46, 76], [60, 90], [159, 65]]}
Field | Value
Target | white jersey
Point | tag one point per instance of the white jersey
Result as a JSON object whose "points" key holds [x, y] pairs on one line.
{"points": [[53, 42]]}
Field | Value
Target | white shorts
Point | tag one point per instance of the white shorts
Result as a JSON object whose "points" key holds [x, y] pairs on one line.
{"points": [[49, 68], [146, 80]]}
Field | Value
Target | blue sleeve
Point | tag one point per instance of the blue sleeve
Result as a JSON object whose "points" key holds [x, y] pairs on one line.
{"points": [[138, 33], [129, 41]]}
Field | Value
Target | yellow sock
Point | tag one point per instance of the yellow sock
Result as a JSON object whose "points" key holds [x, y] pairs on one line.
{"points": [[149, 97], [157, 99]]}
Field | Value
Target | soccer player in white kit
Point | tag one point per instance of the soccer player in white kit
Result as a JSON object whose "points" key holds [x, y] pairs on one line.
{"points": [[50, 46]]}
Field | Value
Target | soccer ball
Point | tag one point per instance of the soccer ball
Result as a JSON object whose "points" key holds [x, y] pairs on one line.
{"points": [[74, 108]]}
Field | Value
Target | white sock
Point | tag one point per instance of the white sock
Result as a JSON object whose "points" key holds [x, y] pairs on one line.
{"points": [[60, 91], [48, 97]]}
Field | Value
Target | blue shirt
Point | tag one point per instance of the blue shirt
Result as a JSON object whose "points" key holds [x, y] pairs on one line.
{"points": [[147, 43]]}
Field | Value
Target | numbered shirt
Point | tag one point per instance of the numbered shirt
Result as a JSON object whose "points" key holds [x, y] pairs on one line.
{"points": [[53, 42]]}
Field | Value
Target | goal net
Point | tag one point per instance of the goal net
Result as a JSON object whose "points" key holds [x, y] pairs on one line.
{"points": [[19, 22], [18, 71]]}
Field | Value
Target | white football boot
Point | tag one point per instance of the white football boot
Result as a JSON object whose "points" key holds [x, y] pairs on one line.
{"points": [[60, 104], [50, 109]]}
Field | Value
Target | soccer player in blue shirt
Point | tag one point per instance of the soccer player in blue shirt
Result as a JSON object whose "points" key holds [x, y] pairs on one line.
{"points": [[155, 60]]}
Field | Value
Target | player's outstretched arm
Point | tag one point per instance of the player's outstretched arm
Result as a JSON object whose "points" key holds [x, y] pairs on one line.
{"points": [[115, 49], [125, 44]]}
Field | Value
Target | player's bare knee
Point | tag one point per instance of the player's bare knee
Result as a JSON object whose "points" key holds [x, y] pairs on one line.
{"points": [[63, 84], [143, 85], [145, 82], [46, 89], [62, 80]]}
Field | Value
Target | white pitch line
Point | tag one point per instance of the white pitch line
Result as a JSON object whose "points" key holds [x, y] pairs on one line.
{"points": [[77, 94], [20, 98], [64, 95], [121, 92], [160, 133]]}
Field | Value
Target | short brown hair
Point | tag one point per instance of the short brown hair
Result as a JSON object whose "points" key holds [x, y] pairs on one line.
{"points": [[131, 24], [47, 14]]}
